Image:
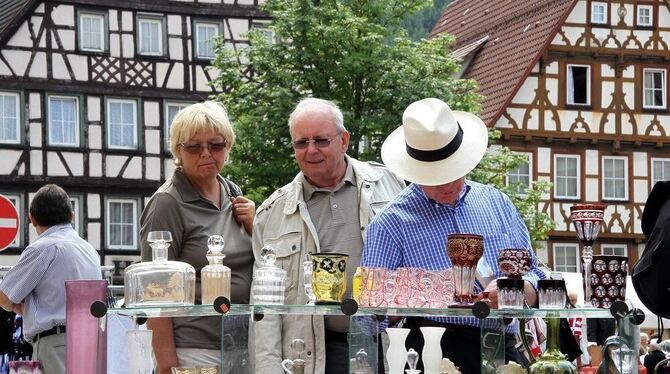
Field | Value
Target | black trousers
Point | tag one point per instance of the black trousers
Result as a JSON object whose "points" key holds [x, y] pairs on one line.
{"points": [[461, 344]]}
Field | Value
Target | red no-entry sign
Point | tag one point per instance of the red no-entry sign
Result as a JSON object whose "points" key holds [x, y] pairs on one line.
{"points": [[9, 222]]}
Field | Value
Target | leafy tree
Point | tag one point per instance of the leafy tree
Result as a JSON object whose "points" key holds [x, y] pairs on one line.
{"points": [[353, 52], [420, 24]]}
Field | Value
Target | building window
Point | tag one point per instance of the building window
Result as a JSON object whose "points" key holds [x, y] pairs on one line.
{"points": [[171, 110], [614, 249], [599, 13], [10, 118], [645, 15], [121, 123], [92, 32], [660, 170], [205, 39], [266, 31], [75, 201], [150, 38], [63, 121], [121, 222], [566, 177], [579, 87], [615, 178], [566, 258], [521, 176], [16, 201], [654, 88]]}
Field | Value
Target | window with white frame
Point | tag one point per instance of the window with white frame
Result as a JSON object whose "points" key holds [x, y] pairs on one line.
{"points": [[171, 110], [122, 123], [205, 39], [16, 201], [579, 85], [566, 176], [10, 117], [121, 224], [645, 15], [521, 176], [63, 120], [598, 12], [615, 178], [150, 38], [654, 88], [265, 30], [75, 201], [566, 257], [92, 32], [614, 249], [660, 170]]}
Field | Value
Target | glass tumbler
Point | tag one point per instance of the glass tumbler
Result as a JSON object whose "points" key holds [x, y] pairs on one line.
{"points": [[551, 293]]}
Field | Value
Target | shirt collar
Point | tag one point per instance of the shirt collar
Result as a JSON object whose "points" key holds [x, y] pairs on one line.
{"points": [[461, 196], [186, 190], [309, 189], [54, 228]]}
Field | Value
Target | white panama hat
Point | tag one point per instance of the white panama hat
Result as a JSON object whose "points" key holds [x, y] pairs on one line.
{"points": [[435, 145]]}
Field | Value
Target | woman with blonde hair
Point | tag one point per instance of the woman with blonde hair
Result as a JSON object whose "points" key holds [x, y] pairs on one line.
{"points": [[195, 203]]}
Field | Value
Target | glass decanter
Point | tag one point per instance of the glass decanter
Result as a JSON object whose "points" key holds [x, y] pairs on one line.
{"points": [[269, 280], [215, 277], [159, 282]]}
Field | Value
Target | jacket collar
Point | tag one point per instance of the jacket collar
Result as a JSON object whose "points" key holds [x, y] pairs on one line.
{"points": [[362, 171]]}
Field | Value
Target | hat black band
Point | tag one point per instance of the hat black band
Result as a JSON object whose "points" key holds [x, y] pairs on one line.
{"points": [[437, 154]]}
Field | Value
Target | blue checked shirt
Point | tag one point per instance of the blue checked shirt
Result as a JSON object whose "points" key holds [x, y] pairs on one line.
{"points": [[412, 230]]}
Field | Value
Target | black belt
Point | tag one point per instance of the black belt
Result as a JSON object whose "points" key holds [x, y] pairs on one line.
{"points": [[60, 329], [333, 336]]}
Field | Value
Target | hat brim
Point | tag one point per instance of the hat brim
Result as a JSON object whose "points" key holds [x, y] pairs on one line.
{"points": [[460, 163]]}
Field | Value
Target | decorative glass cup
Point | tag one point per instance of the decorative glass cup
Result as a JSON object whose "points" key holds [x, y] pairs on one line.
{"points": [[464, 251], [329, 277], [510, 293], [608, 280], [514, 263], [551, 293], [587, 219]]}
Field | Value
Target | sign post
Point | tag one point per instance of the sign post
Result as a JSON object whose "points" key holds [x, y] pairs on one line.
{"points": [[9, 222]]}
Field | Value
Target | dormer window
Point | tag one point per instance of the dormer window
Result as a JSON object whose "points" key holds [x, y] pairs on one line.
{"points": [[645, 15], [599, 13]]}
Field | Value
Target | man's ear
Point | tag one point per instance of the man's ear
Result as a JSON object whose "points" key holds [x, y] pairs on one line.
{"points": [[32, 220]]}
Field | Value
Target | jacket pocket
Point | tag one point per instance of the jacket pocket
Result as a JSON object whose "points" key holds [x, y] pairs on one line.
{"points": [[287, 248]]}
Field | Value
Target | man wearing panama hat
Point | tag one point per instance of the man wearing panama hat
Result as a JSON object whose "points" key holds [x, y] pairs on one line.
{"points": [[434, 149]]}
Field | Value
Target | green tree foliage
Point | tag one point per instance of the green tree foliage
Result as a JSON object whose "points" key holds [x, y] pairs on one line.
{"points": [[420, 24], [356, 53], [350, 51]]}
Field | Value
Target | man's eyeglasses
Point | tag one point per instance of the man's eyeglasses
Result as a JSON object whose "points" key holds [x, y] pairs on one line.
{"points": [[196, 149], [318, 142]]}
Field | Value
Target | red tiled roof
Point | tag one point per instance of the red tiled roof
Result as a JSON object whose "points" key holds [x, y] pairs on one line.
{"points": [[518, 33]]}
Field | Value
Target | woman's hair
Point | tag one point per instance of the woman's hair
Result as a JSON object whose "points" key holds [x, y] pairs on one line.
{"points": [[197, 117]]}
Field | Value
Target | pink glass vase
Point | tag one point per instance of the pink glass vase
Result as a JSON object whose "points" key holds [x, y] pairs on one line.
{"points": [[86, 347]]}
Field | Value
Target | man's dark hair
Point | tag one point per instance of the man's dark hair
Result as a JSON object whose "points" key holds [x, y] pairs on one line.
{"points": [[51, 206]]}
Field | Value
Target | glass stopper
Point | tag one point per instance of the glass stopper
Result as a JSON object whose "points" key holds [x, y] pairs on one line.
{"points": [[268, 255], [412, 358], [215, 243], [297, 347]]}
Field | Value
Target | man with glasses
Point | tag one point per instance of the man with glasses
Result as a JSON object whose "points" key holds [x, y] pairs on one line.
{"points": [[326, 208]]}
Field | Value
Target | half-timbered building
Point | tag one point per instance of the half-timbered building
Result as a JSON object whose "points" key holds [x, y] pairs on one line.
{"points": [[581, 88], [87, 93]]}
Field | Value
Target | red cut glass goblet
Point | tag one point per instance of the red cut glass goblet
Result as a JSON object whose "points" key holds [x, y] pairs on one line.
{"points": [[464, 251], [587, 219]]}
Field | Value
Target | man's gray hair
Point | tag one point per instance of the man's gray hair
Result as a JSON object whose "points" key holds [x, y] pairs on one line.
{"points": [[306, 103]]}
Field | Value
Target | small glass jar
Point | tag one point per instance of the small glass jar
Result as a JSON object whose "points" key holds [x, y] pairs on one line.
{"points": [[269, 281], [215, 277]]}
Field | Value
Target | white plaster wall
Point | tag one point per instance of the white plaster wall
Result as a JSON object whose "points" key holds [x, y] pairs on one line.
{"points": [[552, 88], [95, 137], [213, 73], [526, 92], [640, 191], [54, 165], [643, 37], [558, 218], [544, 160], [134, 169], [113, 20], [36, 163], [578, 13], [169, 167], [665, 36], [113, 165], [95, 164], [18, 60], [210, 1], [35, 134], [67, 37], [238, 27], [59, 69], [630, 91], [21, 37], [93, 205], [591, 166], [640, 164], [606, 97], [153, 168], [622, 211], [127, 21], [176, 79], [79, 66], [201, 83], [75, 161], [549, 122], [600, 33], [94, 234], [114, 45], [533, 121], [545, 196], [4, 68], [128, 45], [152, 141], [591, 186], [63, 15], [572, 33], [9, 260], [9, 159], [151, 113], [35, 105], [175, 49], [39, 67], [174, 24], [93, 108]]}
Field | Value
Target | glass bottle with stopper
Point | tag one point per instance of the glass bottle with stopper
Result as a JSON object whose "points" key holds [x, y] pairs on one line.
{"points": [[359, 364], [297, 365], [269, 280], [412, 361], [215, 277], [159, 282]]}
